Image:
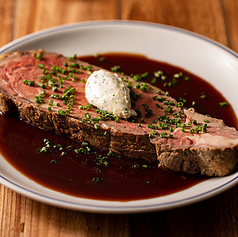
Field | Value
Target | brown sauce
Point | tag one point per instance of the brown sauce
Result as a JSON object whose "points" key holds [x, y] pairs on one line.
{"points": [[118, 178]]}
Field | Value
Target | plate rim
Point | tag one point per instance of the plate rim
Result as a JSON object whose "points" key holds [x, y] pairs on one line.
{"points": [[68, 26]]}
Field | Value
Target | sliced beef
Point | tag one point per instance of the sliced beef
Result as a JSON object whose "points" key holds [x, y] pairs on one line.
{"points": [[181, 140], [214, 152]]}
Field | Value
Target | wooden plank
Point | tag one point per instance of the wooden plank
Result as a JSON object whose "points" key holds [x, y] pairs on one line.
{"points": [[9, 217], [21, 215], [35, 15], [214, 217], [202, 16], [231, 17], [6, 19]]}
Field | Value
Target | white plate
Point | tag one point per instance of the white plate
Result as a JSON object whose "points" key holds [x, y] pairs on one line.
{"points": [[201, 56]]}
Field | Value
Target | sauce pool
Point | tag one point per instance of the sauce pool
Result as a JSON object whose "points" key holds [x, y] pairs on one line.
{"points": [[99, 175]]}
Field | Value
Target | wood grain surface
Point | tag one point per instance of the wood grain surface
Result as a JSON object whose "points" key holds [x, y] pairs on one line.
{"points": [[218, 216]]}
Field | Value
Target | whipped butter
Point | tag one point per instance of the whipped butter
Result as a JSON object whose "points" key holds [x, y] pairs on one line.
{"points": [[107, 91]]}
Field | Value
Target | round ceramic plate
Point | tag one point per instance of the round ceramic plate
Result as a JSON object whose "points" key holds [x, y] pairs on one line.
{"points": [[199, 55]]}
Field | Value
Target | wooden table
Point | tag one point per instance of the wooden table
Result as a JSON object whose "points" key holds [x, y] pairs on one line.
{"points": [[218, 216]]}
